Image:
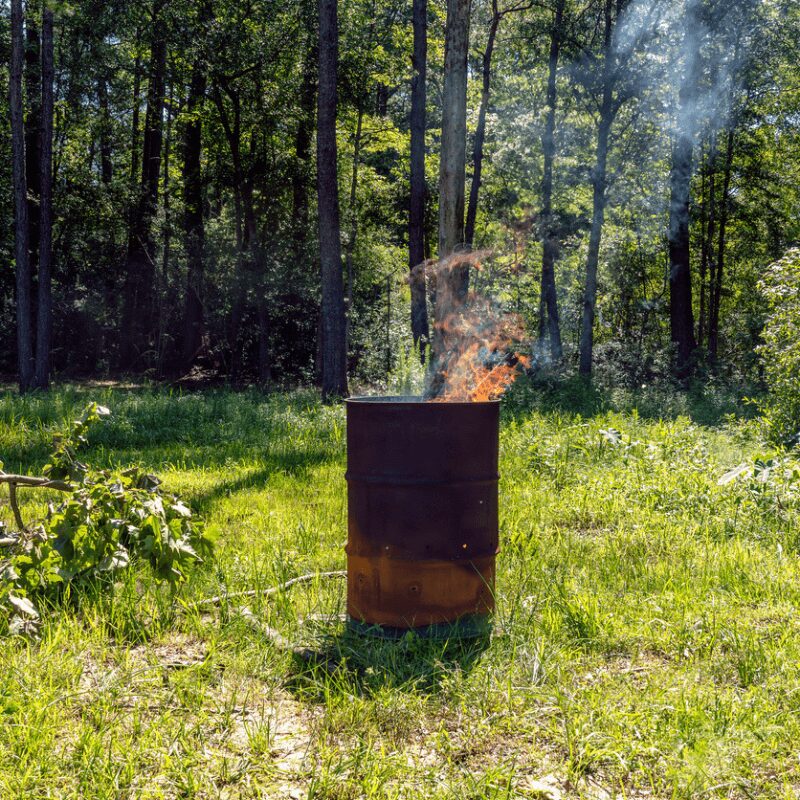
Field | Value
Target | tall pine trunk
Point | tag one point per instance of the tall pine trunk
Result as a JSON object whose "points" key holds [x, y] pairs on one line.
{"points": [[139, 308], [193, 223], [23, 271], [334, 360], [681, 314], [452, 283], [416, 218], [33, 129], [44, 322], [480, 131], [302, 149], [599, 179], [548, 306], [716, 287]]}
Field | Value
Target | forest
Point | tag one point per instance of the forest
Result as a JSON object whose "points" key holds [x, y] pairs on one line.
{"points": [[400, 399], [238, 190]]}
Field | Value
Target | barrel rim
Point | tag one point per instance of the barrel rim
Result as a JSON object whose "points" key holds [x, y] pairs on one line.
{"points": [[413, 400]]}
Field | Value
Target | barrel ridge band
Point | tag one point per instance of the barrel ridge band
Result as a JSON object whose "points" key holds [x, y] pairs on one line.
{"points": [[385, 480]]}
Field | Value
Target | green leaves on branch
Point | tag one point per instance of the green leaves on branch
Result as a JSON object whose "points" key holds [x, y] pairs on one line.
{"points": [[109, 520]]}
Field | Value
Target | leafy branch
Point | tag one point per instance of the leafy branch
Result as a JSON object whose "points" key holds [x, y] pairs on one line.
{"points": [[108, 519]]}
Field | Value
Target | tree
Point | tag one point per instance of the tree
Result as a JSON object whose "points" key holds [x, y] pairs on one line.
{"points": [[548, 305], [680, 273], [452, 168], [608, 110], [44, 320], [416, 218], [138, 307], [193, 217], [334, 362], [23, 270]]}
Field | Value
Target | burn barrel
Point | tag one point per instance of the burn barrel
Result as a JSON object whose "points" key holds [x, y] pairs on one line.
{"points": [[422, 515]]}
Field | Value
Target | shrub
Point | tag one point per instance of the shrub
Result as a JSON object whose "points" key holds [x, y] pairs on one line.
{"points": [[780, 351]]}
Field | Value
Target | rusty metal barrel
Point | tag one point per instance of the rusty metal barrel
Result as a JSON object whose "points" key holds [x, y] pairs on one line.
{"points": [[422, 515]]}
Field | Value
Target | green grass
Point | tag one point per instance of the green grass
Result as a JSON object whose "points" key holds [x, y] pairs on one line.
{"points": [[646, 641]]}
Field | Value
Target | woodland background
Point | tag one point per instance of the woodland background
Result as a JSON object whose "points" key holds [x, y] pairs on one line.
{"points": [[632, 165]]}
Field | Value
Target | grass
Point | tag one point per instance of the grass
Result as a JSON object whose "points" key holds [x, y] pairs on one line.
{"points": [[646, 641]]}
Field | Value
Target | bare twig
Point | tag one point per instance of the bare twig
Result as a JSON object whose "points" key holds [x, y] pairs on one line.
{"points": [[32, 482], [39, 483], [12, 500], [222, 598]]}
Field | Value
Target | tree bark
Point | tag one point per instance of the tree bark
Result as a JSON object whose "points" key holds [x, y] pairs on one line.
{"points": [[23, 272], [334, 361], [352, 211], [44, 322], [139, 300], [724, 210], [480, 131], [106, 166], [452, 283], [193, 223], [302, 150], [599, 178], [454, 131], [416, 218], [548, 307], [33, 129], [680, 274]]}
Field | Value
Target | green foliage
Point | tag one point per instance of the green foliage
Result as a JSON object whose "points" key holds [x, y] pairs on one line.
{"points": [[110, 519], [780, 351]]}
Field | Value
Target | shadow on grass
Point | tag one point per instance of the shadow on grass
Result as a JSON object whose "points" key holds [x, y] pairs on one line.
{"points": [[286, 464], [350, 663]]}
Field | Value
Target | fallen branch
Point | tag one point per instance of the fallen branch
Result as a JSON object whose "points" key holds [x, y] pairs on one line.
{"points": [[222, 598], [32, 482], [278, 640]]}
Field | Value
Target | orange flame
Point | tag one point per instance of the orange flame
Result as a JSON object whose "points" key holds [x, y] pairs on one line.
{"points": [[475, 343]]}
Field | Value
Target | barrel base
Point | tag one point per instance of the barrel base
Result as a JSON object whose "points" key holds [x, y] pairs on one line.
{"points": [[471, 626]]}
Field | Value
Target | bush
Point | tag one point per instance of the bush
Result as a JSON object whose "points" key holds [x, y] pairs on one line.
{"points": [[780, 351]]}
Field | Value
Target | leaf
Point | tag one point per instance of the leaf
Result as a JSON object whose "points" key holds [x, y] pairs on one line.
{"points": [[181, 509], [23, 606], [733, 474], [116, 561]]}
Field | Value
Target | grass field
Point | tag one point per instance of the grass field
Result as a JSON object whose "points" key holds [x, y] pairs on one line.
{"points": [[647, 639]]}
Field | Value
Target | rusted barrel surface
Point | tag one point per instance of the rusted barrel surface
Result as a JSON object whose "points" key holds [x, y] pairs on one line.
{"points": [[422, 511]]}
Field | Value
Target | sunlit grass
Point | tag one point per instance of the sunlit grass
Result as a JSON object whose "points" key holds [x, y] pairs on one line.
{"points": [[646, 640]]}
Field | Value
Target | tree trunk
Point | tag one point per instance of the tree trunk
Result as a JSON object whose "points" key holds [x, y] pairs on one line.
{"points": [[44, 323], [193, 224], [302, 151], [163, 299], [353, 232], [680, 274], [548, 306], [453, 282], [139, 300], [454, 131], [33, 130], [607, 112], [724, 210], [137, 95], [334, 366], [416, 217], [106, 167], [480, 131], [23, 272]]}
